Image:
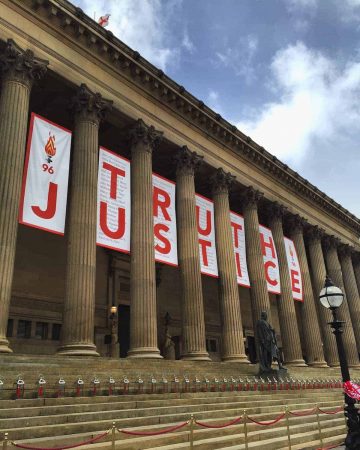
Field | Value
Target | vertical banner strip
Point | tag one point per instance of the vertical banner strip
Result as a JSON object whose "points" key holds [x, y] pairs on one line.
{"points": [[294, 270], [165, 232], [271, 263], [206, 229], [46, 174], [238, 235], [113, 202]]}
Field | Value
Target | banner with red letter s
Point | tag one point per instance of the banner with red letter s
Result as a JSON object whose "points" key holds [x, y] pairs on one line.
{"points": [[164, 220], [206, 230], [45, 181], [113, 203], [271, 263], [294, 270], [238, 234]]}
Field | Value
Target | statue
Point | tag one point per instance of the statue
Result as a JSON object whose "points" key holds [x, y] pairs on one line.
{"points": [[168, 346], [267, 345]]}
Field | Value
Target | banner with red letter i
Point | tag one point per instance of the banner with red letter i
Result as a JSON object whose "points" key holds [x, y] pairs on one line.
{"points": [[45, 181]]}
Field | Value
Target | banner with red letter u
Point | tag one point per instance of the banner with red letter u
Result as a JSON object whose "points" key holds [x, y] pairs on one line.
{"points": [[45, 181], [114, 203], [238, 234], [206, 230], [271, 263], [164, 220], [294, 270]]}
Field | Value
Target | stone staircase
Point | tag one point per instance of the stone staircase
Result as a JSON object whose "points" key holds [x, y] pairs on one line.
{"points": [[55, 422]]}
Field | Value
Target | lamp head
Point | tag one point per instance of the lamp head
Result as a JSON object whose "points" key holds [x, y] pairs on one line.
{"points": [[113, 309], [331, 296]]}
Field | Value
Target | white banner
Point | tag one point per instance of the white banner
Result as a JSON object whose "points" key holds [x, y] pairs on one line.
{"points": [[164, 220], [271, 263], [46, 174], [294, 270], [238, 234], [113, 202], [206, 230]]}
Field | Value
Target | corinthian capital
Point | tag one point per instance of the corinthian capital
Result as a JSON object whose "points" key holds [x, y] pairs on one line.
{"points": [[346, 250], [221, 181], [296, 223], [275, 211], [21, 65], [331, 242], [251, 197], [89, 105], [146, 135], [315, 233], [187, 162]]}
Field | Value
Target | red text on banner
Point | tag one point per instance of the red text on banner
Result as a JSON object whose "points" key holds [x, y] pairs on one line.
{"points": [[271, 263], [238, 235], [165, 239], [206, 230], [294, 270], [113, 202], [46, 174]]}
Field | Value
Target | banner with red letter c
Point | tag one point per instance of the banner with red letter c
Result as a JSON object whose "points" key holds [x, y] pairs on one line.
{"points": [[45, 181], [271, 263]]}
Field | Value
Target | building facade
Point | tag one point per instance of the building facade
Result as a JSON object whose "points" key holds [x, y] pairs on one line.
{"points": [[56, 291]]}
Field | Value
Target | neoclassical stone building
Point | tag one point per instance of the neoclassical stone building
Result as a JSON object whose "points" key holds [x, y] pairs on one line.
{"points": [[56, 291]]}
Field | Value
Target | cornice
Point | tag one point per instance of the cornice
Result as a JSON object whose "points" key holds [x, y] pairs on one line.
{"points": [[132, 66]]}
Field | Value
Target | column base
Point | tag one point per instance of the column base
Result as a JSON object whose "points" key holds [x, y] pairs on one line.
{"points": [[144, 352], [354, 366], [236, 358], [295, 363], [78, 350], [334, 365], [196, 356], [4, 346], [320, 364]]}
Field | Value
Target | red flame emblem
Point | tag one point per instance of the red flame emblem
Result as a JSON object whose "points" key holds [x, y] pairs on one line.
{"points": [[50, 148]]}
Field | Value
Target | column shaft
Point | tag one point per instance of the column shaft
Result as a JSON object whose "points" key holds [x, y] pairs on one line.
{"points": [[19, 69], [143, 315], [312, 335], [232, 331], [334, 272], [290, 336], [193, 322]]}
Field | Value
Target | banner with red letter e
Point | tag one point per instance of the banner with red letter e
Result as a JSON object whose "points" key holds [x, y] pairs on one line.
{"points": [[114, 203], [45, 181], [271, 263], [238, 234], [294, 270], [164, 220], [206, 230]]}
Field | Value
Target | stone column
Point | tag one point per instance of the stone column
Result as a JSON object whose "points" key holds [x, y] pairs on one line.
{"points": [[193, 322], [19, 70], [254, 257], [334, 271], [356, 266], [318, 271], [79, 304], [351, 290], [232, 330], [143, 315], [287, 315], [312, 335]]}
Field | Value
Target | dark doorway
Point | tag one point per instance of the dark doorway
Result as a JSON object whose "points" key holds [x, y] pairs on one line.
{"points": [[251, 349], [124, 329], [176, 340]]}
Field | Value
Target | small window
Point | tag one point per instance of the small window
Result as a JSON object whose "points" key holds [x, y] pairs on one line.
{"points": [[56, 330], [41, 331], [10, 328], [24, 329]]}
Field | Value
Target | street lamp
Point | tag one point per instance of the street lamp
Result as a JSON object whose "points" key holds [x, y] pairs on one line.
{"points": [[332, 297], [114, 332]]}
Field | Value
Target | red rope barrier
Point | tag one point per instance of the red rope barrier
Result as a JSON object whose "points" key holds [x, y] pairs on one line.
{"points": [[228, 424], [331, 446], [154, 433], [90, 441], [303, 413], [332, 412], [271, 422]]}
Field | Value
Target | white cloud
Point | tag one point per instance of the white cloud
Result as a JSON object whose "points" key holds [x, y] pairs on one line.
{"points": [[187, 42], [142, 24], [317, 101]]}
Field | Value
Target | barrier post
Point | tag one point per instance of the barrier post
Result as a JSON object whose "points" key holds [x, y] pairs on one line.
{"points": [[319, 426], [113, 430], [288, 425], [191, 437], [245, 431], [5, 441]]}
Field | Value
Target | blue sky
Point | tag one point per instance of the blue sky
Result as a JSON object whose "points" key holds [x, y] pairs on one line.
{"points": [[286, 72]]}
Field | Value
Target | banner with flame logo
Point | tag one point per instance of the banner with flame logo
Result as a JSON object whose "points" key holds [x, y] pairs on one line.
{"points": [[46, 173], [294, 270]]}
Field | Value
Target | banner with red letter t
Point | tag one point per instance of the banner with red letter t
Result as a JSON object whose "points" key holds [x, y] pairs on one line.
{"points": [[45, 181], [114, 204], [206, 230], [294, 270], [238, 235]]}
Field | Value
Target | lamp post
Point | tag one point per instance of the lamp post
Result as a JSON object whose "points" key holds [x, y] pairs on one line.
{"points": [[332, 297], [114, 332]]}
